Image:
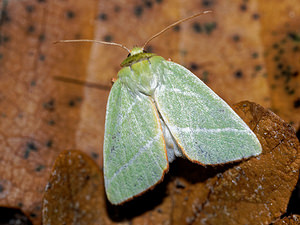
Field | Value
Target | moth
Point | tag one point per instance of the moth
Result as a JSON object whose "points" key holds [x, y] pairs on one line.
{"points": [[158, 110]]}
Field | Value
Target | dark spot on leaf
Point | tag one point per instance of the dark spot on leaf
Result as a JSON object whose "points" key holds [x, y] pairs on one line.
{"points": [[32, 215], [205, 76], [41, 0], [279, 66], [243, 7], [294, 36], [148, 3], [159, 1], [254, 55], [117, 8], [275, 45], [29, 147], [281, 51], [70, 14], [138, 10], [149, 48], [238, 74], [29, 8], [51, 122], [255, 16], [258, 67], [159, 210], [108, 38], [49, 105], [291, 92], [39, 168], [236, 38], [283, 41], [179, 184], [49, 143], [20, 204], [4, 39], [33, 83], [297, 103], [176, 28], [42, 57], [295, 74], [209, 27], [87, 177], [95, 155], [1, 188], [102, 16], [1, 55], [207, 3], [4, 17], [31, 29], [197, 27], [194, 66], [42, 37], [276, 58], [296, 48], [71, 103]]}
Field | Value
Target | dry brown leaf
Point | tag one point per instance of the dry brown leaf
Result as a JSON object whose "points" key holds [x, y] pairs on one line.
{"points": [[75, 191], [281, 39], [39, 118], [253, 191]]}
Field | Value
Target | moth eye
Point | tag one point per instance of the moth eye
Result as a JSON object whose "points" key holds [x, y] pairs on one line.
{"points": [[128, 55], [144, 51]]}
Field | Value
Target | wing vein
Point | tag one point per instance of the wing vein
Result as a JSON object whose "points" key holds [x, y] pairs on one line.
{"points": [[208, 130], [141, 150], [182, 106]]}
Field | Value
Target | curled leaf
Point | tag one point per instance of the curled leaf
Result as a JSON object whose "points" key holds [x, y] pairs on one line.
{"points": [[252, 191]]}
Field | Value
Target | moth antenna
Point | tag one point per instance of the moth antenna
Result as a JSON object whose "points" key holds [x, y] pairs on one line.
{"points": [[94, 41], [174, 24]]}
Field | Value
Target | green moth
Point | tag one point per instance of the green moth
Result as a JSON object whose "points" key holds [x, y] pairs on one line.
{"points": [[158, 110]]}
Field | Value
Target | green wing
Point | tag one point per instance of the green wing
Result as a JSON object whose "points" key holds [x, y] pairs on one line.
{"points": [[134, 149], [206, 129]]}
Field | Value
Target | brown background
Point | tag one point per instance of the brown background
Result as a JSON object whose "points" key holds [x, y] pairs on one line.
{"points": [[245, 50]]}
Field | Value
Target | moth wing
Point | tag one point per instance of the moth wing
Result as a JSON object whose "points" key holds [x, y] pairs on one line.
{"points": [[206, 129], [134, 149]]}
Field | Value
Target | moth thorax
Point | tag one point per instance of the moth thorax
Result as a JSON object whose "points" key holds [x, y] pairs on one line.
{"points": [[140, 77]]}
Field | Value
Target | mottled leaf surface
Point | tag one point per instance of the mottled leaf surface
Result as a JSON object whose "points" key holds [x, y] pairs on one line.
{"points": [[252, 191], [74, 193]]}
